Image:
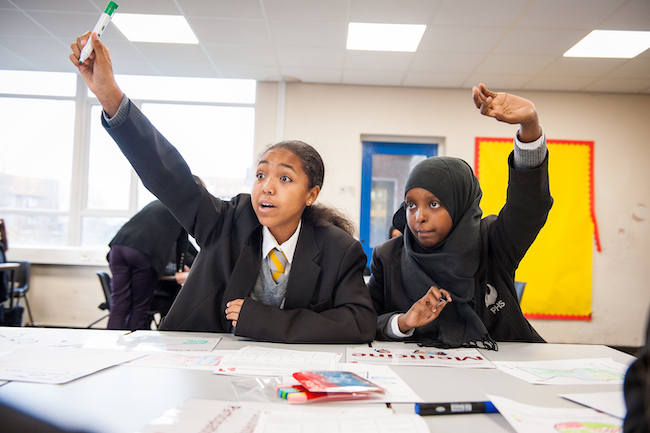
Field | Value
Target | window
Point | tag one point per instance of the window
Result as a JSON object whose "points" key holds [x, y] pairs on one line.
{"points": [[63, 181]]}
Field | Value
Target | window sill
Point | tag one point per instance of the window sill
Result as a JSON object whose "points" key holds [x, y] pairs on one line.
{"points": [[73, 256]]}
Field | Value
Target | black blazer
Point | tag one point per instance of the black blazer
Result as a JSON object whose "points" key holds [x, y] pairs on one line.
{"points": [[155, 232], [504, 239], [326, 300]]}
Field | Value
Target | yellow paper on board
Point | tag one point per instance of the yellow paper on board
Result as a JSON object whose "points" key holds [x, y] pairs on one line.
{"points": [[557, 269]]}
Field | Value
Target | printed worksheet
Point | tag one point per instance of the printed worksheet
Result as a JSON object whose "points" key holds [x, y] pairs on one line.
{"points": [[144, 341], [429, 357], [188, 360], [597, 371], [611, 403], [202, 415], [264, 361], [305, 422], [535, 419], [58, 365]]}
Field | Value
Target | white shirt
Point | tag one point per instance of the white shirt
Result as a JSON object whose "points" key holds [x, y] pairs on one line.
{"points": [[288, 248]]}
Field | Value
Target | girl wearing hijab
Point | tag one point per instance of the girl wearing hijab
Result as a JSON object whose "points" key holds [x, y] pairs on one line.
{"points": [[449, 280]]}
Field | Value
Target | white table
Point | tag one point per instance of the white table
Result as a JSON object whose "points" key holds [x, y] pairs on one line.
{"points": [[124, 399]]}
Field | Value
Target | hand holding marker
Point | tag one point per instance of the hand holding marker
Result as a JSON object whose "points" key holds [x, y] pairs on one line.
{"points": [[103, 21]]}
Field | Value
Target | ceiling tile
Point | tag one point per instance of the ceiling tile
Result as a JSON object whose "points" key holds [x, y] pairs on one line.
{"points": [[313, 75], [301, 57], [560, 84], [330, 10], [244, 55], [562, 14], [446, 62], [498, 82], [68, 26], [225, 31], [378, 60], [155, 7], [479, 12], [638, 67], [461, 39], [16, 23], [135, 67], [187, 69], [513, 64], [579, 67], [261, 73], [634, 15], [428, 79], [619, 85], [11, 61], [180, 53], [4, 4], [372, 77], [393, 12], [250, 9], [56, 5], [313, 33], [508, 44], [537, 41]]}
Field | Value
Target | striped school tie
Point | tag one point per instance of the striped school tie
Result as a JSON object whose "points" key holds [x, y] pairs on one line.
{"points": [[277, 263]]}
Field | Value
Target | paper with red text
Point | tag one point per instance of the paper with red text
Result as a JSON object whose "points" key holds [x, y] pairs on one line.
{"points": [[424, 356]]}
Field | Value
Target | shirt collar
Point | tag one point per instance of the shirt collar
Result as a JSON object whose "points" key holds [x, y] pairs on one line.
{"points": [[288, 248]]}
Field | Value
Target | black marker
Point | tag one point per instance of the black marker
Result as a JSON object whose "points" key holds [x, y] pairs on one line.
{"points": [[454, 408]]}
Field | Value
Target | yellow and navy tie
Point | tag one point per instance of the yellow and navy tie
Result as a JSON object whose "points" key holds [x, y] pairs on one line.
{"points": [[277, 263]]}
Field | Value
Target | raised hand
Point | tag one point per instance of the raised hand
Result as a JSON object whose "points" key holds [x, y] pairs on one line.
{"points": [[509, 109], [97, 72]]}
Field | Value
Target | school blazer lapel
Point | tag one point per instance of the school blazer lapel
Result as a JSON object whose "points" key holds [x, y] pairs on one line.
{"points": [[305, 272], [246, 270]]}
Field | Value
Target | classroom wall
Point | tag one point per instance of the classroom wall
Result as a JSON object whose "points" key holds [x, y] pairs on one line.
{"points": [[334, 117]]}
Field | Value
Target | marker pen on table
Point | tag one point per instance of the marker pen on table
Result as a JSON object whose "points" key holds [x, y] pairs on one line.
{"points": [[454, 408], [103, 21]]}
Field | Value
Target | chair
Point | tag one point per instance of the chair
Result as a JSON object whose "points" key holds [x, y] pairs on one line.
{"points": [[160, 303], [105, 281], [21, 285], [519, 287]]}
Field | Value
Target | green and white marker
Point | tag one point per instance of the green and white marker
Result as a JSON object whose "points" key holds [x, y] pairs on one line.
{"points": [[103, 21]]}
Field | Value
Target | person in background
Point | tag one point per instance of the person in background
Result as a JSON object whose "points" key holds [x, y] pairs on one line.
{"points": [[448, 281], [138, 255], [636, 390], [393, 232], [273, 265], [4, 277]]}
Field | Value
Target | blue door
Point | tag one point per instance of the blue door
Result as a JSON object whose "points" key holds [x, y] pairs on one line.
{"points": [[385, 168]]}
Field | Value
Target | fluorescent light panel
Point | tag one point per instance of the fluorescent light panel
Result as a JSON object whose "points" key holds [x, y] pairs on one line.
{"points": [[166, 29], [384, 37], [611, 44]]}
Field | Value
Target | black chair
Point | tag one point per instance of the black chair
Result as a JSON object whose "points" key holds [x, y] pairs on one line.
{"points": [[21, 286], [105, 281], [160, 304]]}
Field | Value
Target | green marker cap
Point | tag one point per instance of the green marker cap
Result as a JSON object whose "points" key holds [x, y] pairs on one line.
{"points": [[111, 8]]}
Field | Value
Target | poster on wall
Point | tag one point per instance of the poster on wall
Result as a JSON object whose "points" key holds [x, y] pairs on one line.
{"points": [[557, 269]]}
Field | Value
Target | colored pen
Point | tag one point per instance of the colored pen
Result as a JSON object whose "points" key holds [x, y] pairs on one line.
{"points": [[103, 21], [454, 408]]}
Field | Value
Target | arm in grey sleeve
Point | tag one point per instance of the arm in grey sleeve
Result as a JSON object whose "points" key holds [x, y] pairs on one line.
{"points": [[120, 116], [530, 155]]}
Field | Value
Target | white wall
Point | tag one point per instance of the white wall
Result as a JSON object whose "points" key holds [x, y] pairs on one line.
{"points": [[333, 117]]}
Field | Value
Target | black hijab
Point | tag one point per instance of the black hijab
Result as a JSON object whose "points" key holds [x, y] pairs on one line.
{"points": [[452, 264]]}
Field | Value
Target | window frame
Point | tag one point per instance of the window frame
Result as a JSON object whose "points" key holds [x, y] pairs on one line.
{"points": [[74, 253]]}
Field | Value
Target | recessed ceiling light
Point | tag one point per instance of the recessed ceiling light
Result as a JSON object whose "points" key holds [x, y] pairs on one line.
{"points": [[166, 29], [384, 37], [612, 44]]}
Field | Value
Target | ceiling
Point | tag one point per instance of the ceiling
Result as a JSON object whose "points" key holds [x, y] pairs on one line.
{"points": [[507, 44]]}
